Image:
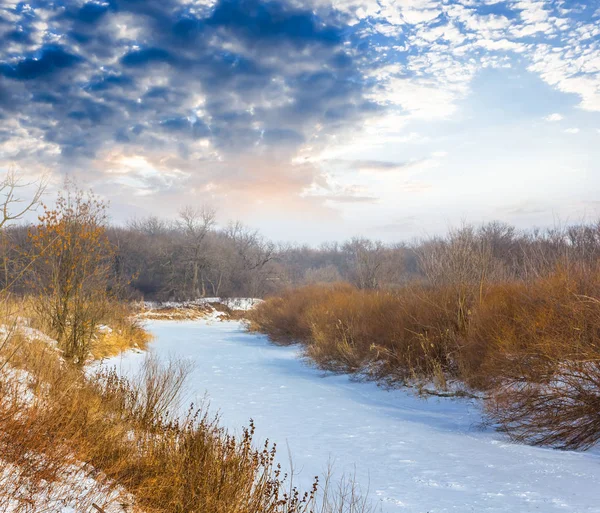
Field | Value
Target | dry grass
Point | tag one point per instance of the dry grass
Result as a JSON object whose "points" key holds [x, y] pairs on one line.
{"points": [[60, 427], [115, 339], [121, 329], [189, 311], [532, 347], [387, 335], [172, 313]]}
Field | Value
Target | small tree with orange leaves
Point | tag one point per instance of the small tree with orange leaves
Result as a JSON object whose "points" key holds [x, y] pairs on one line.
{"points": [[72, 276]]}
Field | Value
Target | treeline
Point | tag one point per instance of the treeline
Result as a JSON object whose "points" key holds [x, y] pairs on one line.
{"points": [[193, 257]]}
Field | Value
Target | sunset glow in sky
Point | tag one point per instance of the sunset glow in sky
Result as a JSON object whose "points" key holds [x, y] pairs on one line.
{"points": [[311, 119]]}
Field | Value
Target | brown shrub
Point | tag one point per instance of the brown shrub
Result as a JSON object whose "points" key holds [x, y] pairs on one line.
{"points": [[521, 329], [560, 409], [533, 347], [389, 335], [284, 318]]}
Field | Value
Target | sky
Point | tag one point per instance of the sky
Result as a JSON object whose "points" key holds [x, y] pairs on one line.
{"points": [[311, 120]]}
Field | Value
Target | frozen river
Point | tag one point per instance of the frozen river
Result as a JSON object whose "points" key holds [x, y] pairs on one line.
{"points": [[412, 455]]}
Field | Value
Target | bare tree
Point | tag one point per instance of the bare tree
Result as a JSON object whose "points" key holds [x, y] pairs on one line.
{"points": [[152, 226], [13, 206], [196, 223], [253, 252], [366, 261]]}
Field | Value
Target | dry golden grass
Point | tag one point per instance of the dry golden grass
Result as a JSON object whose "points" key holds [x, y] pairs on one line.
{"points": [[171, 313], [386, 334], [532, 347], [189, 311], [121, 329], [60, 425], [112, 341]]}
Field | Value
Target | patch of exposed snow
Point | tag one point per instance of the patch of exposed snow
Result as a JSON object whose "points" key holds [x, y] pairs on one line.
{"points": [[16, 385], [28, 332], [237, 303], [74, 491]]}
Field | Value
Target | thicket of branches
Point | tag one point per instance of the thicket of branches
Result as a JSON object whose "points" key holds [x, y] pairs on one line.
{"points": [[194, 257]]}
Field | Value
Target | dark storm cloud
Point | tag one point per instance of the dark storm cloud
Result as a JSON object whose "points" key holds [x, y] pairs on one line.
{"points": [[245, 75], [51, 60], [272, 23]]}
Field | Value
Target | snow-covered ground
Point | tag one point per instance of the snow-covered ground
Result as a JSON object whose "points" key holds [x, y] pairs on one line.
{"points": [[412, 455], [237, 303]]}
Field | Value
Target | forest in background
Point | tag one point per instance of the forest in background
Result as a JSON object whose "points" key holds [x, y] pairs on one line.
{"points": [[193, 257]]}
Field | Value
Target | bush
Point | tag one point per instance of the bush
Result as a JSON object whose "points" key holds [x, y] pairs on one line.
{"points": [[559, 409], [284, 317], [532, 347], [389, 335], [521, 329]]}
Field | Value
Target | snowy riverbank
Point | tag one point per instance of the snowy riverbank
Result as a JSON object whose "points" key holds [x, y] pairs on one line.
{"points": [[412, 455]]}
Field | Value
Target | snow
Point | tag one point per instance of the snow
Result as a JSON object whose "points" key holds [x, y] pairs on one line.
{"points": [[237, 303], [26, 331], [16, 384], [78, 486], [412, 455], [75, 491]]}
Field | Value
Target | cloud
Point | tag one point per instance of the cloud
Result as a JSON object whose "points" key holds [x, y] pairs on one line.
{"points": [[375, 166], [50, 60], [173, 81], [348, 198], [572, 131], [241, 99]]}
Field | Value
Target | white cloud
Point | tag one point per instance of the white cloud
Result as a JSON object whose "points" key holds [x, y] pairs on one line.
{"points": [[554, 117], [572, 131], [501, 45], [532, 12], [420, 98], [571, 70]]}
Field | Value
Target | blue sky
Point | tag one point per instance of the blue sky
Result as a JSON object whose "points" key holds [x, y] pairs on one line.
{"points": [[311, 119]]}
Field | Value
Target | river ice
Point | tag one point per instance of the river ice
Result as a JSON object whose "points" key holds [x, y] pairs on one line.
{"points": [[412, 455]]}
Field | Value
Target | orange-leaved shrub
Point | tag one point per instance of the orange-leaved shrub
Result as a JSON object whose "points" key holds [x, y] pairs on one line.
{"points": [[531, 347], [535, 349], [386, 334]]}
